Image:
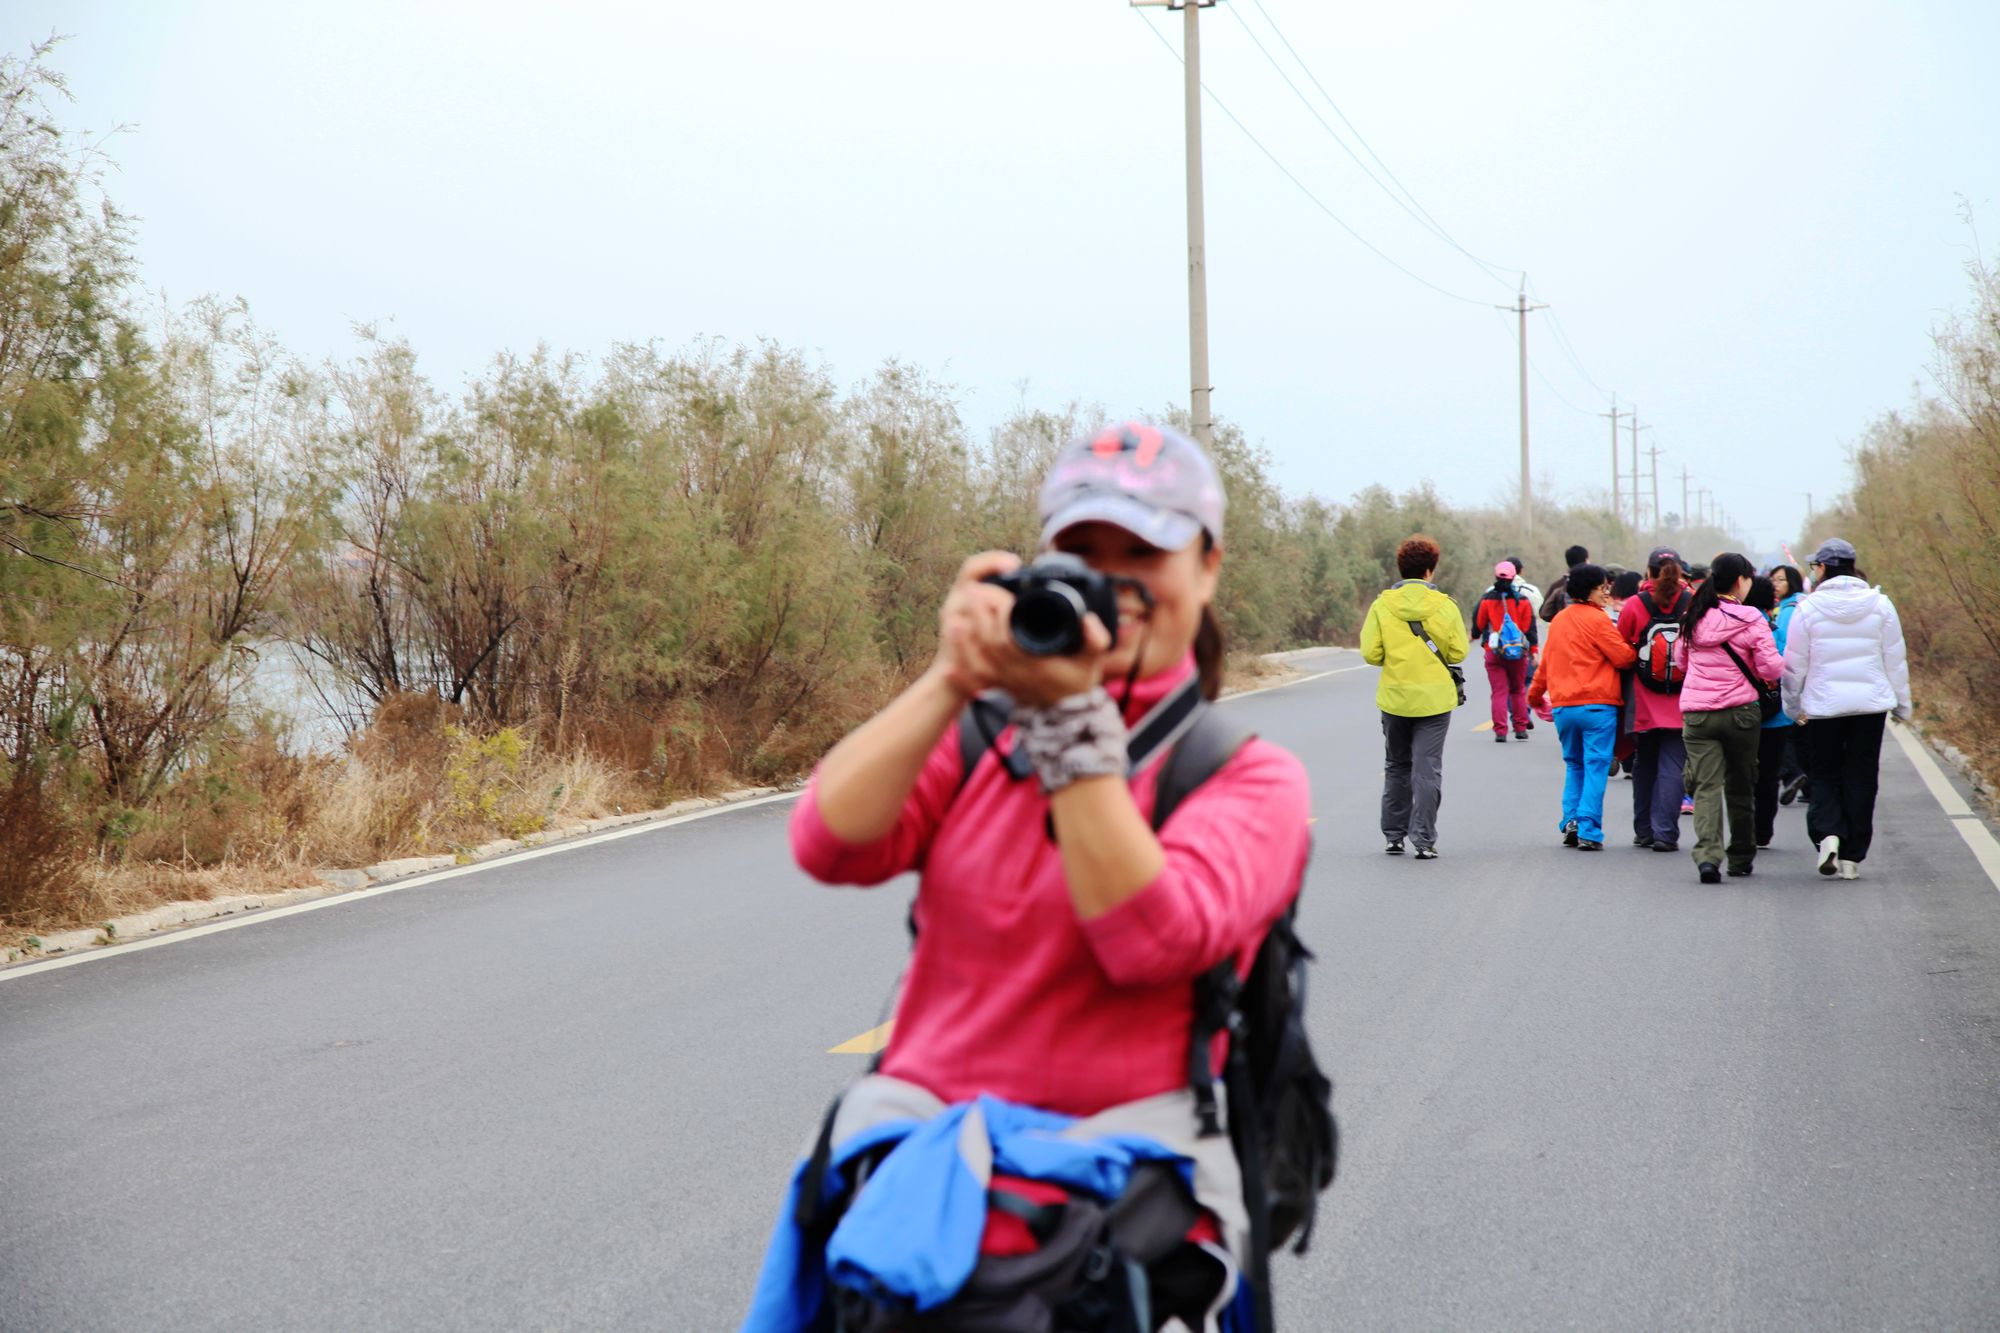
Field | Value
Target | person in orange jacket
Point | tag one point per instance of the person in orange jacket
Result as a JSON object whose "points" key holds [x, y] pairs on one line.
{"points": [[1579, 680]]}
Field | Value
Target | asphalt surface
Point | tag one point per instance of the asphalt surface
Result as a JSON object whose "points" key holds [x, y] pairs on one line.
{"points": [[1577, 1090]]}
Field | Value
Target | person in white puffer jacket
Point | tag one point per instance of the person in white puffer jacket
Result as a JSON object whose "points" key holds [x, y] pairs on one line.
{"points": [[1846, 670]]}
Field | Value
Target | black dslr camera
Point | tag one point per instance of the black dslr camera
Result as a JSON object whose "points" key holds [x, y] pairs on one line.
{"points": [[1051, 597]]}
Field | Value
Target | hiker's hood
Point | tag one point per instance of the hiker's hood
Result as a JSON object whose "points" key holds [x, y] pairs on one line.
{"points": [[1412, 601], [1846, 599]]}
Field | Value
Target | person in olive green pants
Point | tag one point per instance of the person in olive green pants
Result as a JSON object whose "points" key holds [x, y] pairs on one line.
{"points": [[1722, 761], [1730, 658]]}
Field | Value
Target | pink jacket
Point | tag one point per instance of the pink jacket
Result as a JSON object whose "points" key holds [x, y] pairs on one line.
{"points": [[1009, 991], [1713, 681]]}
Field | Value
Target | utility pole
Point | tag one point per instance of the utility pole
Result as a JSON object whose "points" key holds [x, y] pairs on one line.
{"points": [[1653, 453], [1617, 496], [1198, 409], [1637, 517], [1521, 309], [1687, 520]]}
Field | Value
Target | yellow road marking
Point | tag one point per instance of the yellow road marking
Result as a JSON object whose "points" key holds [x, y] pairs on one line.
{"points": [[868, 1043], [1484, 726]]}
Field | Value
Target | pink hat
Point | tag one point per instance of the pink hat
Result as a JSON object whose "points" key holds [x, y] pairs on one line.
{"points": [[1505, 570]]}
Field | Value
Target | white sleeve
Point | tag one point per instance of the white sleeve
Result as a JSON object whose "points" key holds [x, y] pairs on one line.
{"points": [[1798, 659], [1895, 657]]}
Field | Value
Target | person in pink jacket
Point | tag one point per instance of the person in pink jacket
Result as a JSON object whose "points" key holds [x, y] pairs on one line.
{"points": [[1731, 660]]}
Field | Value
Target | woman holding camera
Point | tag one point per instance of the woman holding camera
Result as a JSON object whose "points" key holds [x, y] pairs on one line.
{"points": [[1058, 936]]}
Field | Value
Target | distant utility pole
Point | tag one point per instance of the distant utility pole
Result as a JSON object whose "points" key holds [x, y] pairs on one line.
{"points": [[1617, 492], [1521, 308], [1638, 519], [1198, 408], [1686, 521], [1653, 453]]}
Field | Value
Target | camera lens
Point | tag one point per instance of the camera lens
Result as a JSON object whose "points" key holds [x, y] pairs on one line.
{"points": [[1048, 620]]}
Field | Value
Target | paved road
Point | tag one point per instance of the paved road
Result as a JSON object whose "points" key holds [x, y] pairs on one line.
{"points": [[1578, 1091]]}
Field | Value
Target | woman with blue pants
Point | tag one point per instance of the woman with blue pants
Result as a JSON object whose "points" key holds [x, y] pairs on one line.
{"points": [[1579, 679]]}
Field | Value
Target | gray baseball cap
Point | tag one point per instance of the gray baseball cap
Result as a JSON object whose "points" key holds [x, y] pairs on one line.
{"points": [[1833, 548], [1152, 481]]}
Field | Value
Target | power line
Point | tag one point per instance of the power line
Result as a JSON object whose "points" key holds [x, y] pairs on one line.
{"points": [[1492, 270], [1416, 214], [1286, 171], [1564, 343], [1407, 201]]}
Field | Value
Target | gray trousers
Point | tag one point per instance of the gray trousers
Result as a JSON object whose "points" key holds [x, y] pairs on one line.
{"points": [[1412, 776]]}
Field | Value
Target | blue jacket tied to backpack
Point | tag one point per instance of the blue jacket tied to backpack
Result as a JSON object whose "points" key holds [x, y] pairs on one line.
{"points": [[913, 1231]]}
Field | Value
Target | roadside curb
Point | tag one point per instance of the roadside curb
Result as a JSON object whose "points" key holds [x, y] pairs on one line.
{"points": [[336, 881]]}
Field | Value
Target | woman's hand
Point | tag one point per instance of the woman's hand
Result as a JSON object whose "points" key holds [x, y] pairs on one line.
{"points": [[976, 649]]}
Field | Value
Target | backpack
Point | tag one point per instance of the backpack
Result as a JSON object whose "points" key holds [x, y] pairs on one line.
{"points": [[1658, 670], [1278, 1101], [1512, 645]]}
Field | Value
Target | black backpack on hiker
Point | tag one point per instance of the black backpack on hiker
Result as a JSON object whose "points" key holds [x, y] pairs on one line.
{"points": [[1091, 1272]]}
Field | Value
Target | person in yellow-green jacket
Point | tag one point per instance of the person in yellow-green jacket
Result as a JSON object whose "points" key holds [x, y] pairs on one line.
{"points": [[1416, 634]]}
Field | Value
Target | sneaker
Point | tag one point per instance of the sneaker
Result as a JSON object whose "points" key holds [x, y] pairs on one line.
{"points": [[1642, 840], [1790, 791], [1520, 733], [1739, 872], [1763, 842], [1427, 853], [1849, 869], [1829, 854], [1659, 846], [1500, 736], [1687, 805], [1710, 874], [1395, 847], [1531, 724], [1589, 845], [1569, 834]]}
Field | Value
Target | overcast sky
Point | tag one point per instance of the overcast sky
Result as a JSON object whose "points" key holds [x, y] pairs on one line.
{"points": [[1745, 215]]}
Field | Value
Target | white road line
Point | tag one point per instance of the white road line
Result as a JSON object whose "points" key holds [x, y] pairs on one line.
{"points": [[1302, 680], [376, 891], [1985, 848]]}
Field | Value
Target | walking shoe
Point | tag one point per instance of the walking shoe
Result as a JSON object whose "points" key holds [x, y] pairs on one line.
{"points": [[1589, 845], [1763, 842], [1642, 840], [1850, 869], [1739, 871], [1659, 846], [1709, 873], [1687, 805], [1427, 853], [1829, 853], [1500, 736], [1395, 847], [1569, 834], [1790, 791], [1531, 724], [1520, 733]]}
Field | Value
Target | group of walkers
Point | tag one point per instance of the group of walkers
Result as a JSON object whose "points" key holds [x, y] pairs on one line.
{"points": [[1723, 692]]}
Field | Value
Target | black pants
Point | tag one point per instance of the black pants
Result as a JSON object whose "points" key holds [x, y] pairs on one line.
{"points": [[1774, 765], [1843, 757]]}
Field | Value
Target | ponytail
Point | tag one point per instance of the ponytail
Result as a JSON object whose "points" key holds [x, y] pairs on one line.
{"points": [[1727, 570], [1667, 585], [1209, 653]]}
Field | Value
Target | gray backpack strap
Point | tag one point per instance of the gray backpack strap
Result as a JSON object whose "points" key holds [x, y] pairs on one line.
{"points": [[1209, 742]]}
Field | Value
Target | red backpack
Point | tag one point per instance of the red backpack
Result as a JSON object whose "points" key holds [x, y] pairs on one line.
{"points": [[1658, 670]]}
